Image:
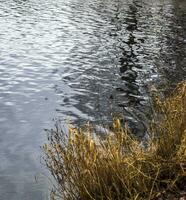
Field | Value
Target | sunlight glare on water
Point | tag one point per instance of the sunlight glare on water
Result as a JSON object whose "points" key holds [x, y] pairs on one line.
{"points": [[78, 60]]}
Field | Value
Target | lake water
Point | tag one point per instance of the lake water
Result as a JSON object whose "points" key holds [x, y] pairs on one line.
{"points": [[79, 60]]}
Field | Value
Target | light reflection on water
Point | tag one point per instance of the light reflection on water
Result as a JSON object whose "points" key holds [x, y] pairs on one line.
{"points": [[80, 60]]}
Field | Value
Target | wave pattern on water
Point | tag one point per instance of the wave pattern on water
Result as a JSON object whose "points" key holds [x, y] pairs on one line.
{"points": [[81, 60]]}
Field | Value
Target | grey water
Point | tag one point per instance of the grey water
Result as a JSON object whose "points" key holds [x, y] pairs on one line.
{"points": [[79, 60]]}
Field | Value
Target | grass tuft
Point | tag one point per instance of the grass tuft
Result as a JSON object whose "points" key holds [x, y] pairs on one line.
{"points": [[118, 167]]}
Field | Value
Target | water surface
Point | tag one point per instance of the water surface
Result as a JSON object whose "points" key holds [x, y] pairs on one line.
{"points": [[79, 60]]}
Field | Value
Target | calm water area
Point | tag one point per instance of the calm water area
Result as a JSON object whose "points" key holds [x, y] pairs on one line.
{"points": [[79, 60]]}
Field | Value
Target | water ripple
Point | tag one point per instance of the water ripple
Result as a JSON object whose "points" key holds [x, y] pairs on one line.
{"points": [[81, 60]]}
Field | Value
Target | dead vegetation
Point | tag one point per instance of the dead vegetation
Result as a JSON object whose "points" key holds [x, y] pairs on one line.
{"points": [[87, 167]]}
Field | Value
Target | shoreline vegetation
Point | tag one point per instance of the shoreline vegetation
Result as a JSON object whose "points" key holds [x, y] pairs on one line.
{"points": [[119, 167]]}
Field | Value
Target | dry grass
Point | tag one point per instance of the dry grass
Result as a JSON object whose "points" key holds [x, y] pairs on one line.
{"points": [[87, 167]]}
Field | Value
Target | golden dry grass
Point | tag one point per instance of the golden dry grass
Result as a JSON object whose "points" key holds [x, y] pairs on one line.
{"points": [[87, 167]]}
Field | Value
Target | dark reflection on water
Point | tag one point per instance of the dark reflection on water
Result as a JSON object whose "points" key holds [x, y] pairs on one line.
{"points": [[130, 48], [81, 60]]}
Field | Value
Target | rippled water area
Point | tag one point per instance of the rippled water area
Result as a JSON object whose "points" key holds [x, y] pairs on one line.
{"points": [[80, 60]]}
